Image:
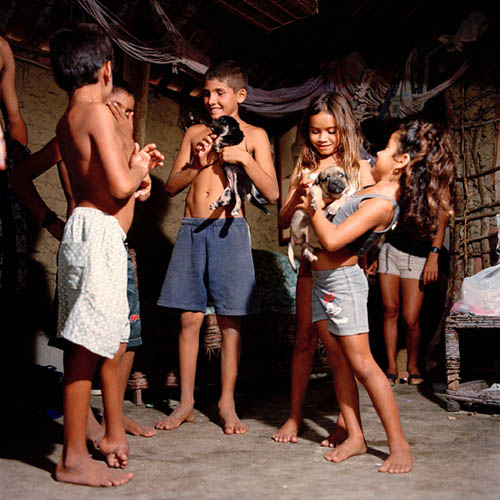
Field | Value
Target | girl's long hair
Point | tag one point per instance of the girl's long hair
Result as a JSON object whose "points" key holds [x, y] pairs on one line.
{"points": [[350, 135], [427, 183]]}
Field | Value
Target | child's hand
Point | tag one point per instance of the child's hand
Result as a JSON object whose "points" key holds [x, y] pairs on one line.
{"points": [[144, 190], [307, 178], [371, 270], [431, 270], [155, 157], [305, 204], [303, 184], [125, 124], [237, 155], [146, 159], [203, 150]]}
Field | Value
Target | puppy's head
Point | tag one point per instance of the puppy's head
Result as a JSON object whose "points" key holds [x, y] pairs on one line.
{"points": [[333, 181], [227, 130]]}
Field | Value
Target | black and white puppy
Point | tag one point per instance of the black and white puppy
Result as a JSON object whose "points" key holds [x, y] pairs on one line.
{"points": [[330, 183], [239, 185]]}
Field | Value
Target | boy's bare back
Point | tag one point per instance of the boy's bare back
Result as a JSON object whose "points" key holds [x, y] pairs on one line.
{"points": [[98, 169]]}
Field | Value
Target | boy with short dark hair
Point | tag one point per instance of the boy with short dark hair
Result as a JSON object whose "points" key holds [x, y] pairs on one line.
{"points": [[121, 104], [92, 260], [212, 255]]}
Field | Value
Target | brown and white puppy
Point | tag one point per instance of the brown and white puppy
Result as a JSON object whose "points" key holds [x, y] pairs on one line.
{"points": [[331, 183]]}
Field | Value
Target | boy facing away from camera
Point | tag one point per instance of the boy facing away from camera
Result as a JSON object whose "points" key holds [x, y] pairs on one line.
{"points": [[92, 260], [121, 104], [212, 254]]}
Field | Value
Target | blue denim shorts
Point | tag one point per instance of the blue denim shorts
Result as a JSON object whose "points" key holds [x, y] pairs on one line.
{"points": [[212, 259], [341, 296], [135, 339]]}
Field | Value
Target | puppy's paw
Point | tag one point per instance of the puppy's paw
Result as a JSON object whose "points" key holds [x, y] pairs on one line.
{"points": [[309, 255], [235, 212], [333, 208], [316, 196]]}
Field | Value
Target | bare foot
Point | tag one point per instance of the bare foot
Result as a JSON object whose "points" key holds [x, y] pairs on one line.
{"points": [[91, 473], [136, 429], [338, 436], [288, 432], [349, 448], [230, 422], [415, 379], [400, 461], [115, 451], [95, 431], [180, 415]]}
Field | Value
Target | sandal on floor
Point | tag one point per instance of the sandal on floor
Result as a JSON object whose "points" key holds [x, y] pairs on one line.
{"points": [[392, 377], [415, 379]]}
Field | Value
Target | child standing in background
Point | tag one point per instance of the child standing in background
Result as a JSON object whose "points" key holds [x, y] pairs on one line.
{"points": [[332, 136]]}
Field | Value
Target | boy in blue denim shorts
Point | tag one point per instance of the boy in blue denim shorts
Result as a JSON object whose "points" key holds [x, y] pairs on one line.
{"points": [[212, 254]]}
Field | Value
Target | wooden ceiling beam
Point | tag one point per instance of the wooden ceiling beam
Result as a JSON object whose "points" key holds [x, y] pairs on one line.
{"points": [[229, 6]]}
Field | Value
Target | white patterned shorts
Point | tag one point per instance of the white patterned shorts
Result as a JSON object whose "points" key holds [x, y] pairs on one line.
{"points": [[341, 296], [92, 282]]}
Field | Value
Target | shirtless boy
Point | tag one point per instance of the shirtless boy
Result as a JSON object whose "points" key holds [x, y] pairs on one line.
{"points": [[121, 104], [213, 243], [92, 261]]}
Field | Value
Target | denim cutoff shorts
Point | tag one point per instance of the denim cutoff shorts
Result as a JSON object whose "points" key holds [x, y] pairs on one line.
{"points": [[341, 296], [135, 339]]}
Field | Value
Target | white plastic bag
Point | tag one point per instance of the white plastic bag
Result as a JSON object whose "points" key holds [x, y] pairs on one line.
{"points": [[480, 293]]}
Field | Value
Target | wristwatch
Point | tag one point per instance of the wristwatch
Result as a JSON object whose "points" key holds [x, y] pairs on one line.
{"points": [[435, 249]]}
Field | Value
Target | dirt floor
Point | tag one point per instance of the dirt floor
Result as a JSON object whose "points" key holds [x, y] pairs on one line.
{"points": [[457, 455]]}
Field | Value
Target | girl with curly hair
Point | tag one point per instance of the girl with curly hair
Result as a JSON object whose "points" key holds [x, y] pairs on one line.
{"points": [[408, 260], [416, 168]]}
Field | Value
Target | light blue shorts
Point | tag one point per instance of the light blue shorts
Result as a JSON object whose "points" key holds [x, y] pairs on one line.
{"points": [[341, 296], [212, 258]]}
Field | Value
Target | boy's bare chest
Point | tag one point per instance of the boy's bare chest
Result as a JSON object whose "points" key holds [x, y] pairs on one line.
{"points": [[210, 180]]}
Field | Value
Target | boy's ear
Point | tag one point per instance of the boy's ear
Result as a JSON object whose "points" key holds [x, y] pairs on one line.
{"points": [[107, 72], [241, 95]]}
